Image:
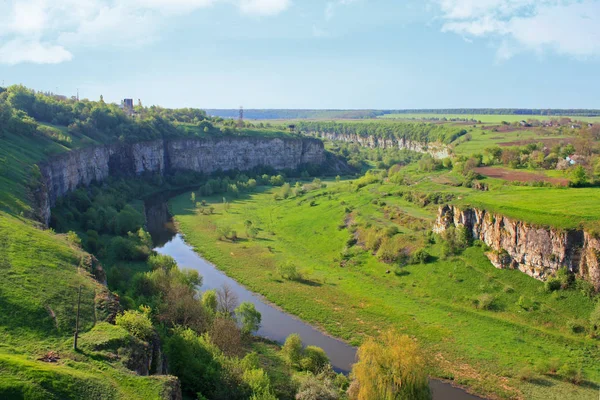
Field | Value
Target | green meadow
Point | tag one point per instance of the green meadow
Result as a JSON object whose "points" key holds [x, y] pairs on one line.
{"points": [[436, 302], [484, 118]]}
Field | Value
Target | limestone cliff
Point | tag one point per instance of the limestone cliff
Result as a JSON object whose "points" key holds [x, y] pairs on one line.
{"points": [[68, 171], [437, 150], [537, 251]]}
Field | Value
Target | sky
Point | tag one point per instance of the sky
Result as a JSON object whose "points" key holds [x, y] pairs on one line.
{"points": [[311, 54]]}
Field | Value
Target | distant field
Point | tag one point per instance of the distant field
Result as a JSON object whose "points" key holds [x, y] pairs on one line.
{"points": [[485, 118]]}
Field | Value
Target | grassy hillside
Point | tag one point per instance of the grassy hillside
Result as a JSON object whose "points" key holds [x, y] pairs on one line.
{"points": [[349, 292], [40, 273]]}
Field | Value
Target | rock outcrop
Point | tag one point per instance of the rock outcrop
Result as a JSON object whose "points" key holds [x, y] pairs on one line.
{"points": [[68, 171], [436, 150], [537, 251]]}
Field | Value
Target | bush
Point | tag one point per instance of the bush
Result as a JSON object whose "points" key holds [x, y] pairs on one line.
{"points": [[292, 349], [73, 238], [290, 272], [314, 359], [576, 326], [486, 301], [526, 374], [136, 323], [571, 374], [421, 256], [548, 367], [552, 284], [313, 388]]}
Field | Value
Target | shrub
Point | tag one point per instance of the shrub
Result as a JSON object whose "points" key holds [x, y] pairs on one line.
{"points": [[552, 284], [292, 349], [313, 388], [314, 359], [548, 367], [486, 301], [566, 278], [156, 261], [586, 288], [136, 323], [421, 256], [73, 238], [576, 326], [526, 374], [290, 272], [571, 374], [524, 303]]}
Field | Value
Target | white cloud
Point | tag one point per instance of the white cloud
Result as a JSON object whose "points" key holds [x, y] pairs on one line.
{"points": [[17, 51], [264, 7], [568, 27], [44, 31]]}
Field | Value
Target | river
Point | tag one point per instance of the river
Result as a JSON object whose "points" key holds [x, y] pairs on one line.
{"points": [[276, 324]]}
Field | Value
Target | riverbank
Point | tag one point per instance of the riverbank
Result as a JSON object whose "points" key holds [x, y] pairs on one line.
{"points": [[482, 349], [276, 324]]}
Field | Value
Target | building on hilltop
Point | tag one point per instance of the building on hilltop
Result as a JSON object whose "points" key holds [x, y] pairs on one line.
{"points": [[127, 106]]}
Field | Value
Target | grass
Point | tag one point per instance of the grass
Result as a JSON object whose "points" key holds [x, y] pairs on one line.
{"points": [[433, 302], [40, 274], [484, 118]]}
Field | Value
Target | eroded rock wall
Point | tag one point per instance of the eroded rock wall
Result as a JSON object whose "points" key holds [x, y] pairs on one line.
{"points": [[437, 150], [537, 251], [68, 171]]}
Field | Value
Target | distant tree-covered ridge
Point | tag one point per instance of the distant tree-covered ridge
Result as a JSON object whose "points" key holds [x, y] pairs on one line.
{"points": [[419, 132], [366, 114]]}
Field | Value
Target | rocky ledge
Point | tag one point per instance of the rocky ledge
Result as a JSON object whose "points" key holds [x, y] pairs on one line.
{"points": [[68, 171], [537, 251]]}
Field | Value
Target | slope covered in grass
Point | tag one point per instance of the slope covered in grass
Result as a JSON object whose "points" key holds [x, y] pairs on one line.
{"points": [[437, 302]]}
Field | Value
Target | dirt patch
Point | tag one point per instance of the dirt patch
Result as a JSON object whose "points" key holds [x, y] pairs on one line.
{"points": [[520, 176], [547, 142]]}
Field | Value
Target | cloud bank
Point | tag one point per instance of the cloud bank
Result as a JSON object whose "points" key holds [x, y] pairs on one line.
{"points": [[46, 31], [567, 27]]}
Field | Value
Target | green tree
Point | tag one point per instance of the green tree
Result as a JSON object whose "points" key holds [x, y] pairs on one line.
{"points": [[137, 323], [314, 359], [249, 317], [390, 368], [579, 176], [292, 349], [209, 301], [193, 198]]}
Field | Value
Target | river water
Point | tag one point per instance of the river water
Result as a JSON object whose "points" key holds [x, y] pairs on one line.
{"points": [[276, 324]]}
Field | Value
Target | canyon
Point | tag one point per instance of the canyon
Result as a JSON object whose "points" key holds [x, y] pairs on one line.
{"points": [[68, 171], [537, 251]]}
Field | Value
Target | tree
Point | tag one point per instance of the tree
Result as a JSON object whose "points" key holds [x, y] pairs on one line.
{"points": [[390, 368], [136, 323], [193, 198], [314, 359], [292, 349], [225, 334], [249, 317], [579, 176], [209, 301], [227, 300]]}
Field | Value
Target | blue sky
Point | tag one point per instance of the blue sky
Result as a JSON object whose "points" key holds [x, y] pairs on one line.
{"points": [[309, 53]]}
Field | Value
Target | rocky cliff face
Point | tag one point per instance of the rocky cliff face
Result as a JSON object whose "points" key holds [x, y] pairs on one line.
{"points": [[437, 150], [68, 171], [537, 251]]}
